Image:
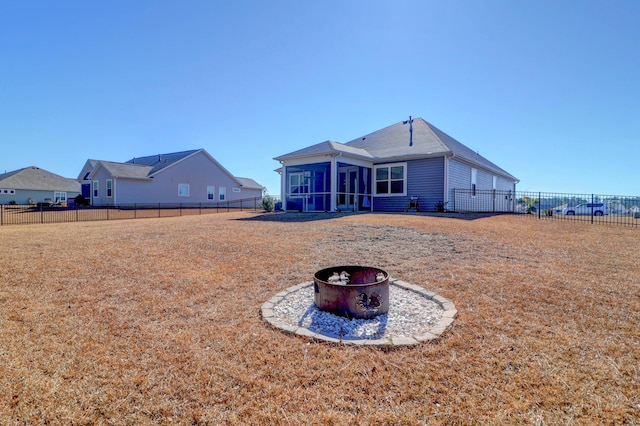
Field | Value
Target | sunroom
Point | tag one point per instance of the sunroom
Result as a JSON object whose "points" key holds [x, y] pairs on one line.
{"points": [[328, 176]]}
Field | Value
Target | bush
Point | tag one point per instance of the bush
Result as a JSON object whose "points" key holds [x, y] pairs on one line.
{"points": [[268, 203], [81, 201]]}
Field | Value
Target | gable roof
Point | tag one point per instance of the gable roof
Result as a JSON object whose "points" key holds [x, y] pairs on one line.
{"points": [[149, 166], [162, 161], [392, 144], [327, 148], [35, 178], [249, 183], [124, 170]]}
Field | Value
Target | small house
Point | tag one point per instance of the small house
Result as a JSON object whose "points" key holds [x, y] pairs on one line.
{"points": [[33, 185]]}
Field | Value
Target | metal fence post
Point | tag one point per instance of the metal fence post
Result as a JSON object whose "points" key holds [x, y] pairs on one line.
{"points": [[591, 208], [539, 203]]}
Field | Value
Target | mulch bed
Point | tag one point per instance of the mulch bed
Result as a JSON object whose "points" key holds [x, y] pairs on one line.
{"points": [[157, 321]]}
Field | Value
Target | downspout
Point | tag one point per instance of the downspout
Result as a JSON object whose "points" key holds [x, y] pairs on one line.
{"points": [[446, 180]]}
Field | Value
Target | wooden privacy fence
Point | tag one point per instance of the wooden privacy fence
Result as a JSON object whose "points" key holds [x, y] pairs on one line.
{"points": [[29, 214]]}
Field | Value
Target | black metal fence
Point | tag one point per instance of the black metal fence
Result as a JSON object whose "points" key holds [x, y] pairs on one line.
{"points": [[591, 208], [29, 214]]}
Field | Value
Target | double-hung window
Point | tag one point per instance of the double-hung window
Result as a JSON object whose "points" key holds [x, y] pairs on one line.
{"points": [[60, 197], [222, 193], [211, 190], [109, 188], [474, 181], [183, 190], [96, 189], [390, 179]]}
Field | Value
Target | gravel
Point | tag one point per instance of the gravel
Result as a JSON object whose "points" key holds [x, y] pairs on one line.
{"points": [[410, 313]]}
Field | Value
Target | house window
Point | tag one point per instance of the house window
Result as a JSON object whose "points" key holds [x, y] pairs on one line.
{"points": [[236, 189], [183, 190], [390, 179], [299, 183], [474, 181], [60, 197], [495, 182], [222, 195], [211, 190], [7, 191], [96, 187], [109, 188]]}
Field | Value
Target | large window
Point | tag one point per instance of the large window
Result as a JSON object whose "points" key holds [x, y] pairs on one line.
{"points": [[183, 190], [222, 193], [109, 188], [299, 183], [390, 179], [60, 197], [211, 190]]}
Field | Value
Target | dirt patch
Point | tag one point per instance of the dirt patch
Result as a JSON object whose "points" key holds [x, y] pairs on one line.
{"points": [[158, 321]]}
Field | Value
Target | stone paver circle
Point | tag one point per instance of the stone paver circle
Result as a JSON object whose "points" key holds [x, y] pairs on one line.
{"points": [[448, 313]]}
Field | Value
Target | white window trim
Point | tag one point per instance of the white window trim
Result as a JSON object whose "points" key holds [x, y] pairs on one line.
{"points": [[474, 181], [303, 184], [211, 189], [62, 196], [389, 166], [109, 181], [181, 185], [95, 189], [222, 193]]}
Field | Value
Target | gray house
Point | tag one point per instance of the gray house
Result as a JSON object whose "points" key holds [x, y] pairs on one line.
{"points": [[35, 185], [388, 169], [187, 177]]}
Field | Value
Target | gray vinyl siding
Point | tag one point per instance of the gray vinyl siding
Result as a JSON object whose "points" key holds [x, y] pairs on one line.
{"points": [[459, 178], [101, 200], [425, 180]]}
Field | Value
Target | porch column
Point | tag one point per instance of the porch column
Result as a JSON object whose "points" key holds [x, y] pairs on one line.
{"points": [[334, 183], [283, 187]]}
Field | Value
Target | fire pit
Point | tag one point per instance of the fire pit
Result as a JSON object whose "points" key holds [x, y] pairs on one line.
{"points": [[352, 291]]}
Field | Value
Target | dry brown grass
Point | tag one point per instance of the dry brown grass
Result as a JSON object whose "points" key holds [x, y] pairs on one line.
{"points": [[157, 321]]}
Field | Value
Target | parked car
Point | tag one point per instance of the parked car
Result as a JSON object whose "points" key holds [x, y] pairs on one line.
{"points": [[596, 209]]}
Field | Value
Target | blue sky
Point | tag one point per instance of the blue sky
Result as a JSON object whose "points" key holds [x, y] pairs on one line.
{"points": [[547, 90]]}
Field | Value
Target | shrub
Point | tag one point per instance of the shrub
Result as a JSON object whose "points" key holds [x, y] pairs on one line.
{"points": [[81, 201], [268, 203]]}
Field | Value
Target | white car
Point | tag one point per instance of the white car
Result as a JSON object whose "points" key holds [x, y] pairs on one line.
{"points": [[596, 209]]}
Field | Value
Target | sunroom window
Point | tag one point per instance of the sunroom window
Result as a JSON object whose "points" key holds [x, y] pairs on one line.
{"points": [[299, 183]]}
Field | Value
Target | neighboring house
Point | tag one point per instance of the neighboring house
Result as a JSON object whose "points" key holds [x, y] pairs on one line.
{"points": [[383, 170], [188, 177], [34, 185]]}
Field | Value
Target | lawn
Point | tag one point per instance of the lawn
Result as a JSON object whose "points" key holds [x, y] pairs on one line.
{"points": [[157, 321]]}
